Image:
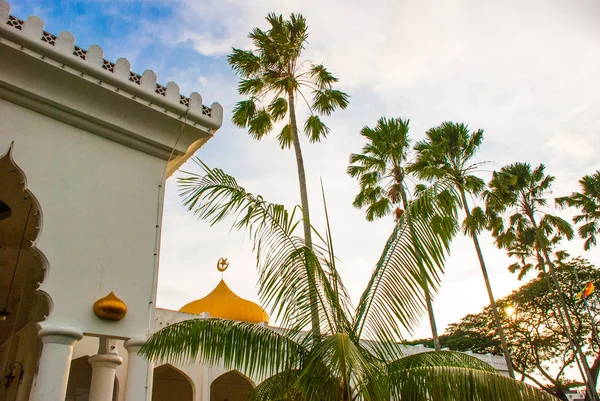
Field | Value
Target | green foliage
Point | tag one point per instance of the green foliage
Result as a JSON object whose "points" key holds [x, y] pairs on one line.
{"points": [[538, 345], [315, 129], [446, 152], [458, 384], [447, 375], [394, 293], [445, 358], [337, 363], [235, 344], [288, 270], [516, 202], [588, 203], [278, 108], [273, 75], [379, 168]]}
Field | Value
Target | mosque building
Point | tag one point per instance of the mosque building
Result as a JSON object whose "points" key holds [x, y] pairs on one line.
{"points": [[86, 147]]}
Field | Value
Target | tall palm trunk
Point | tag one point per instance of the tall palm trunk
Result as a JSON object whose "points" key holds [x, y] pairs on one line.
{"points": [[316, 327], [489, 287], [556, 308], [571, 334], [434, 332]]}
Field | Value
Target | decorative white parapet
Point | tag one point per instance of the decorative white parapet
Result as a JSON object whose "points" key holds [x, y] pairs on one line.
{"points": [[91, 61]]}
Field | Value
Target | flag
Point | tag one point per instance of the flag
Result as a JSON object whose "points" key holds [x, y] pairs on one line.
{"points": [[586, 292]]}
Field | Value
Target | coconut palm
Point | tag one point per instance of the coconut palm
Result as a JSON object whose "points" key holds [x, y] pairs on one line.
{"points": [[357, 356], [380, 170], [588, 202], [519, 192], [446, 153]]}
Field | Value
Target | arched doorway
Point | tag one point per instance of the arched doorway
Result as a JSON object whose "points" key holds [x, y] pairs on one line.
{"points": [[231, 386], [22, 269], [170, 384]]}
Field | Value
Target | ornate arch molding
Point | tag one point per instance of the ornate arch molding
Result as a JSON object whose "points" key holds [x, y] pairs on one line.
{"points": [[180, 373], [25, 210], [237, 373]]}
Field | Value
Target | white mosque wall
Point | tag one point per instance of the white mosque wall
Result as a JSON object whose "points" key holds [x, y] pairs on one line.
{"points": [[95, 142], [99, 205]]}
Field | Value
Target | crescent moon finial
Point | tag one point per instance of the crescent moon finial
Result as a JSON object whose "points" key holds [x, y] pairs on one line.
{"points": [[222, 265]]}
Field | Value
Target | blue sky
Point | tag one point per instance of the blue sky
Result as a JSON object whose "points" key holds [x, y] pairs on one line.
{"points": [[525, 72]]}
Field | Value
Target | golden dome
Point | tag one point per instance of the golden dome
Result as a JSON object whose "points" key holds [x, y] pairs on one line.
{"points": [[225, 304]]}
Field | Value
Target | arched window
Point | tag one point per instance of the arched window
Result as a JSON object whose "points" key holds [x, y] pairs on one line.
{"points": [[170, 384], [231, 386]]}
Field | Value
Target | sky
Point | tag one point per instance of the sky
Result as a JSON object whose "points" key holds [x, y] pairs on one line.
{"points": [[528, 73]]}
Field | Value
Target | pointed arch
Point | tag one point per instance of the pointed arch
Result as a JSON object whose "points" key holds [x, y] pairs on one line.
{"points": [[20, 229], [170, 383], [231, 386], [24, 268]]}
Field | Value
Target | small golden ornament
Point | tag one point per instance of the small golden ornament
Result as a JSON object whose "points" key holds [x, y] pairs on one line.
{"points": [[110, 307], [222, 265]]}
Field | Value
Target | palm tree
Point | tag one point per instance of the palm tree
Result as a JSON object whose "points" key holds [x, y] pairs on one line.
{"points": [[357, 355], [380, 169], [588, 202], [519, 192], [272, 76], [446, 154]]}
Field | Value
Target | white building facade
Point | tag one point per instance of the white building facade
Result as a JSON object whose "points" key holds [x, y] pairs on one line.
{"points": [[86, 146]]}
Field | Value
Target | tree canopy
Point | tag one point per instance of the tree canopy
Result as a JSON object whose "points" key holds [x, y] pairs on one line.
{"points": [[539, 347]]}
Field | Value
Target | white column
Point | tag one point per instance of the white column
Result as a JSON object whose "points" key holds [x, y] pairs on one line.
{"points": [[55, 362], [139, 372], [104, 367]]}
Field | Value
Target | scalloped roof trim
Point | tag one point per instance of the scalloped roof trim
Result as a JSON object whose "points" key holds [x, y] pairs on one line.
{"points": [[33, 29]]}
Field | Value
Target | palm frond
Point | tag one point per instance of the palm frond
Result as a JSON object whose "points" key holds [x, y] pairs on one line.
{"points": [[285, 137], [322, 77], [261, 124], [514, 201], [439, 359], [251, 86], [588, 203], [244, 62], [325, 101], [459, 384], [446, 153], [315, 129], [278, 108], [357, 370], [394, 297], [250, 348], [244, 112], [294, 280], [281, 387], [477, 222]]}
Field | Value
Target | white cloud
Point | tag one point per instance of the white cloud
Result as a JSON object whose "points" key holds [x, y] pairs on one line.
{"points": [[525, 72]]}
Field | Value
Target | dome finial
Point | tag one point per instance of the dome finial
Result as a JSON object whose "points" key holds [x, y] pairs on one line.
{"points": [[222, 265]]}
